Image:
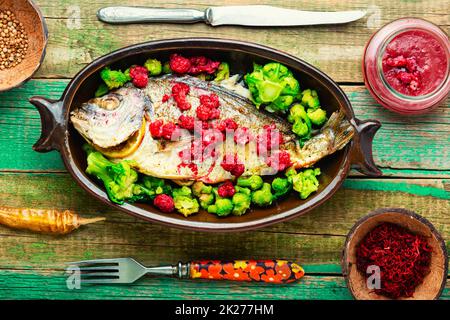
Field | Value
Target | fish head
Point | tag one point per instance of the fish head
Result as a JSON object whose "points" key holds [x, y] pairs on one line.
{"points": [[110, 120]]}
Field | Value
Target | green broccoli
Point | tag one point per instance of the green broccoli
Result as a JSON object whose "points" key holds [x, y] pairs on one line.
{"points": [[223, 72], [158, 185], [318, 116], [243, 190], [184, 201], [153, 66], [142, 194], [184, 191], [118, 178], [302, 124], [113, 78], [264, 196], [186, 205], [241, 203], [281, 187], [306, 182], [310, 99], [101, 90], [253, 182], [204, 193], [272, 85], [222, 207], [166, 68]]}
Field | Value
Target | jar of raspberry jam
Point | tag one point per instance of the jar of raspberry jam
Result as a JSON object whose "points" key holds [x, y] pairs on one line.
{"points": [[406, 66]]}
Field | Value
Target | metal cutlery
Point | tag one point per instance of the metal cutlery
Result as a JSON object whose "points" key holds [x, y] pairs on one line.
{"points": [[253, 15], [128, 270]]}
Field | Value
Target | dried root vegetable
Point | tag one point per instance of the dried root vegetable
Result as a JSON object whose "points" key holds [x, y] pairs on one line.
{"points": [[45, 221]]}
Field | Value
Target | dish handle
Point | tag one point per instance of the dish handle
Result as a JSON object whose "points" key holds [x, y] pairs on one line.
{"points": [[361, 153], [52, 133]]}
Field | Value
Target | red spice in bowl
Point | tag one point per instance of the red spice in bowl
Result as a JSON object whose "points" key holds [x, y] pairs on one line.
{"points": [[406, 66], [404, 259]]}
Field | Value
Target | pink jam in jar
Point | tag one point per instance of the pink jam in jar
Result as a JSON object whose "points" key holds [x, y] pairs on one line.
{"points": [[406, 66]]}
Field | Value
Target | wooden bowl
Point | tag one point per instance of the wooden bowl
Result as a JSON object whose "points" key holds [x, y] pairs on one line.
{"points": [[31, 17], [433, 283]]}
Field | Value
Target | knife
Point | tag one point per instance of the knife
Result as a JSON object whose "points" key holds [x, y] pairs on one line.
{"points": [[256, 15]]}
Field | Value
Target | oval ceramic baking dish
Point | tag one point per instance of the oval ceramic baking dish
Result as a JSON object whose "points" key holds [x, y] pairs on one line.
{"points": [[58, 133]]}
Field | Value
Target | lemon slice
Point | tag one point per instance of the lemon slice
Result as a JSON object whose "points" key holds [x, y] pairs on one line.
{"points": [[126, 148]]}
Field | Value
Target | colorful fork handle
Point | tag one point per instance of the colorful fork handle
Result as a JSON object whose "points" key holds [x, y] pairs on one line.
{"points": [[270, 271]]}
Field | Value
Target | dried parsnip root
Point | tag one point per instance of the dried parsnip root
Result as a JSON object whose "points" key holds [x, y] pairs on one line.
{"points": [[45, 221]]}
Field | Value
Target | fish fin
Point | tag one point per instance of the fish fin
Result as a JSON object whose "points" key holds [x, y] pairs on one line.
{"points": [[342, 129]]}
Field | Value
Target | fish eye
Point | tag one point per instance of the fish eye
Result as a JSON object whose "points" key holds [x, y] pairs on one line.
{"points": [[109, 102]]}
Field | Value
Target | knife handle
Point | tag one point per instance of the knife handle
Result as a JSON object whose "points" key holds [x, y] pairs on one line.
{"points": [[270, 271], [124, 15]]}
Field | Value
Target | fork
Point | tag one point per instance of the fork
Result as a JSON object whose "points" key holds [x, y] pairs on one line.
{"points": [[128, 270]]}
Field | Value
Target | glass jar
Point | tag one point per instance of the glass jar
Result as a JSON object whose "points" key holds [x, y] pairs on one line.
{"points": [[377, 82]]}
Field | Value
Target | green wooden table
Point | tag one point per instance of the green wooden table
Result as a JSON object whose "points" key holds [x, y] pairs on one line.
{"points": [[413, 153]]}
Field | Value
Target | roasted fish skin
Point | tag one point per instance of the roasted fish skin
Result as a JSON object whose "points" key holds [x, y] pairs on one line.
{"points": [[111, 119]]}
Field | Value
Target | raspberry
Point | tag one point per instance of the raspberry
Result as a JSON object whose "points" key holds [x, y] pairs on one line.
{"points": [[269, 139], [211, 101], [226, 190], [242, 136], [139, 76], [279, 161], [203, 112], [180, 88], [164, 203], [186, 122], [232, 165], [227, 124], [168, 129], [179, 64], [156, 128], [201, 64], [214, 114], [165, 98]]}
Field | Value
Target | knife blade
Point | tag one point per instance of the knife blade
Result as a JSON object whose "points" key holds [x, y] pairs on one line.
{"points": [[252, 15]]}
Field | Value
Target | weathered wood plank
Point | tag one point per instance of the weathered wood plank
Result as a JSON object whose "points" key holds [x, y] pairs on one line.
{"points": [[30, 285], [316, 238], [77, 37], [405, 146]]}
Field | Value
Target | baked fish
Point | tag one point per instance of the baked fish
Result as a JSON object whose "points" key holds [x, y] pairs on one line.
{"points": [[167, 158]]}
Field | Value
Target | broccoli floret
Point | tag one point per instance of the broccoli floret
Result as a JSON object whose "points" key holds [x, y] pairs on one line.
{"points": [[241, 203], [204, 193], [166, 68], [113, 78], [198, 188], [153, 66], [101, 90], [318, 116], [158, 185], [253, 182], [273, 85], [263, 197], [223, 72], [184, 191], [281, 187], [301, 122], [306, 182], [206, 200], [184, 201], [142, 194], [310, 99], [222, 207], [118, 178], [243, 190], [186, 205]]}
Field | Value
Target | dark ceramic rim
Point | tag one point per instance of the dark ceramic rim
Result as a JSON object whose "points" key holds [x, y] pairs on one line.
{"points": [[362, 156], [400, 211], [44, 50]]}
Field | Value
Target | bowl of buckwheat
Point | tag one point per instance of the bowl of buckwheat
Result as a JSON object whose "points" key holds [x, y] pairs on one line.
{"points": [[23, 40]]}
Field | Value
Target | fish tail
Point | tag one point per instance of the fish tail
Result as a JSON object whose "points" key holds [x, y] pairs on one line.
{"points": [[342, 129]]}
